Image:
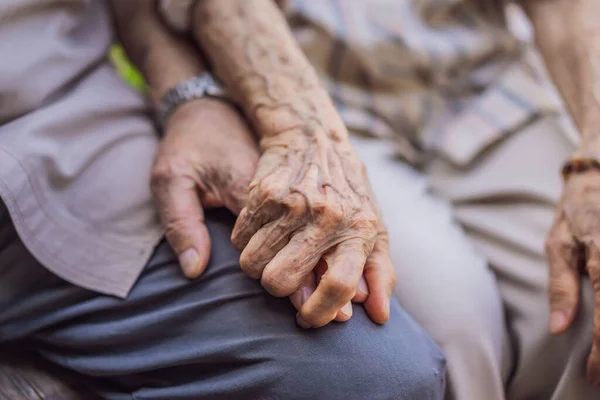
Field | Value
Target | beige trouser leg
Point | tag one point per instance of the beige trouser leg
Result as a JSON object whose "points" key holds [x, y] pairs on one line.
{"points": [[505, 203], [442, 281], [491, 322]]}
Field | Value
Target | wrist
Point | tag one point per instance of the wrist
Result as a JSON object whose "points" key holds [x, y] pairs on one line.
{"points": [[301, 138], [167, 64], [198, 109], [307, 114], [163, 57]]}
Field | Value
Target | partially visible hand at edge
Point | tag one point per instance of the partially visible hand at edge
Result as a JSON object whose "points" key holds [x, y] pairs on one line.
{"points": [[573, 248]]}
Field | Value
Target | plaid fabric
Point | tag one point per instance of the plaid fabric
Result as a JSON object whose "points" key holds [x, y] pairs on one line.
{"points": [[441, 76], [436, 76]]}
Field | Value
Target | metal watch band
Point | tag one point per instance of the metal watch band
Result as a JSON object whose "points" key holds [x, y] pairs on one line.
{"points": [[203, 85]]}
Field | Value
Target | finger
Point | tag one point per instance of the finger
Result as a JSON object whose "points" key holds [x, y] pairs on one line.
{"points": [[264, 245], [292, 264], [563, 287], [362, 292], [380, 277], [249, 221], [306, 289], [338, 285], [346, 312], [263, 206], [183, 219], [593, 364], [252, 218]]}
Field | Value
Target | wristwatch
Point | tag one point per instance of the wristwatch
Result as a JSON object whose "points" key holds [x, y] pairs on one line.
{"points": [[203, 85]]}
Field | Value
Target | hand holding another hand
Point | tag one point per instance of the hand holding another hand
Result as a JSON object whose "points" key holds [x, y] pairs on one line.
{"points": [[311, 211], [207, 159]]}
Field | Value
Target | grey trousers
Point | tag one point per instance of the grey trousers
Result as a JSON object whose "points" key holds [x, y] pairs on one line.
{"points": [[218, 337]]}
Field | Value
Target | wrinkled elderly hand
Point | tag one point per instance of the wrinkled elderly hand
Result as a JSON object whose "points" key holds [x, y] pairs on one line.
{"points": [[207, 159], [573, 247], [310, 204]]}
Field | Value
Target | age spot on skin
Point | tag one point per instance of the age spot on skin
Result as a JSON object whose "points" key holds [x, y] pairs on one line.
{"points": [[335, 136]]}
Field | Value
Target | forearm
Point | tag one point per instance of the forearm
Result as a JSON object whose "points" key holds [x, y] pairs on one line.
{"points": [[252, 50], [568, 35], [162, 57]]}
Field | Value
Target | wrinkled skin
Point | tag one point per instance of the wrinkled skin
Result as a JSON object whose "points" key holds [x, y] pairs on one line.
{"points": [[573, 248], [311, 201], [310, 207], [208, 158]]}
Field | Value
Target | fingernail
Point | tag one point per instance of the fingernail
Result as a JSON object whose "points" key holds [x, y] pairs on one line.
{"points": [[189, 261], [557, 321], [302, 323], [362, 286], [387, 308], [347, 310]]}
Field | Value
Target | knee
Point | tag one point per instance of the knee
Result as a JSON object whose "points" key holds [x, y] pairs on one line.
{"points": [[371, 362], [415, 373], [379, 374]]}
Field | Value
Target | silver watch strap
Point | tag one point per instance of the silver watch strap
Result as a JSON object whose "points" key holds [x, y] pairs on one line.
{"points": [[203, 85]]}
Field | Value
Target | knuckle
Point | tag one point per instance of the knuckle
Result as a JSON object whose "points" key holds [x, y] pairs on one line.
{"points": [[366, 223], [176, 225], [295, 205], [557, 247], [163, 172], [330, 212], [338, 287], [248, 265], [237, 240], [559, 291], [269, 190], [276, 285]]}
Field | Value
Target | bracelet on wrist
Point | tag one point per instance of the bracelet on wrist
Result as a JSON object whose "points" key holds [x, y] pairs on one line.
{"points": [[580, 163]]}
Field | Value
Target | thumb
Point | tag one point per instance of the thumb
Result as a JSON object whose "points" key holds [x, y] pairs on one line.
{"points": [[563, 289], [182, 215]]}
